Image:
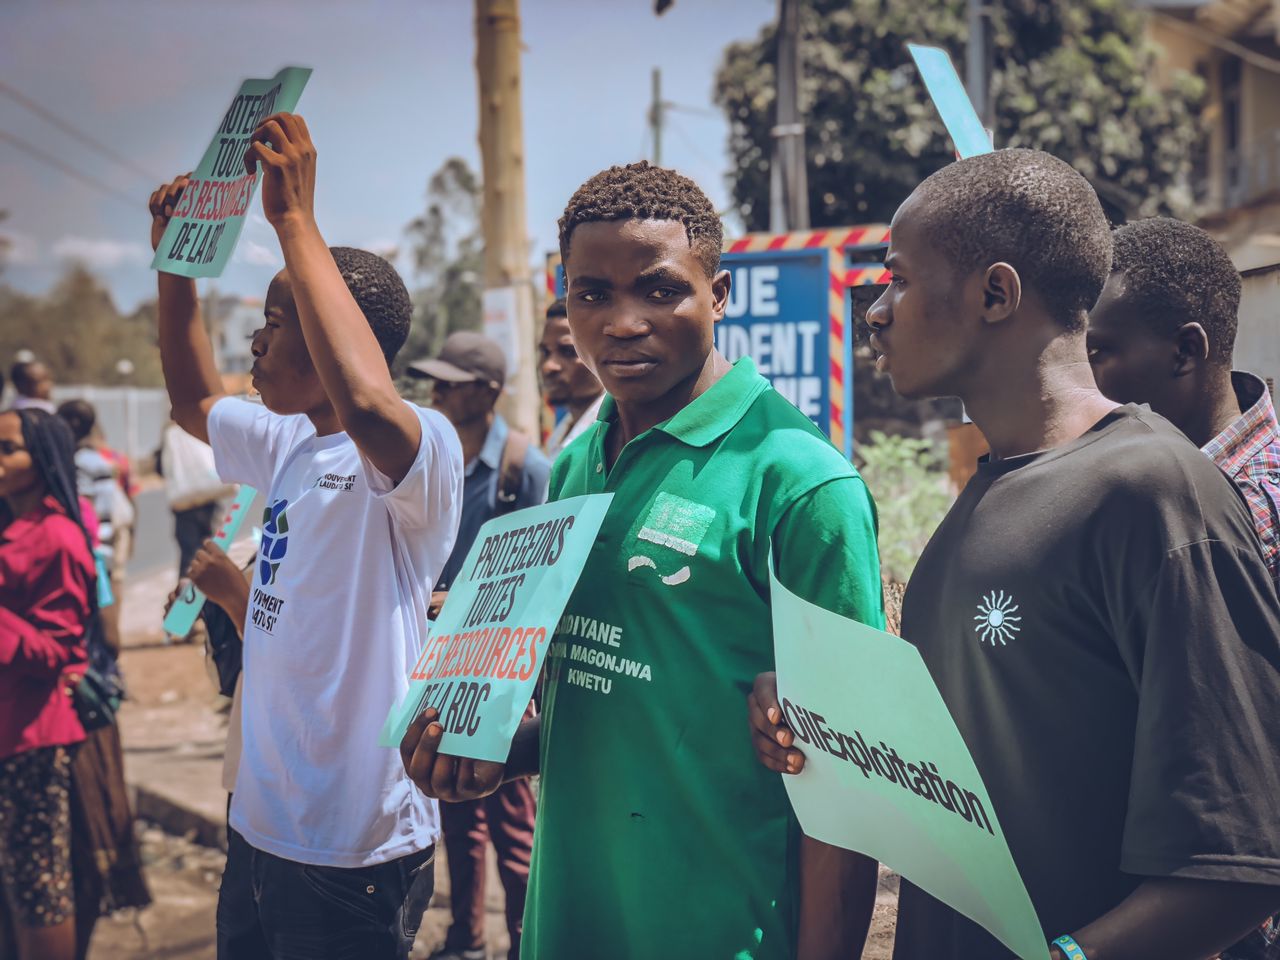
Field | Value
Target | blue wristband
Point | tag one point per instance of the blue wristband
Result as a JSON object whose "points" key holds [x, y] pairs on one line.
{"points": [[1070, 949]]}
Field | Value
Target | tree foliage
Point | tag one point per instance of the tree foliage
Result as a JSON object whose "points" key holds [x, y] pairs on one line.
{"points": [[1073, 77], [77, 331], [912, 497], [448, 260]]}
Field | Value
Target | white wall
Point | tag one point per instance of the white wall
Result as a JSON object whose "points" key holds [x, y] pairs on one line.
{"points": [[1258, 337], [131, 418]]}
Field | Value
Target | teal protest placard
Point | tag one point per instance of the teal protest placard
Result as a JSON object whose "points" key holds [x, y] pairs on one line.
{"points": [[953, 103], [210, 214], [479, 666], [190, 601], [886, 771]]}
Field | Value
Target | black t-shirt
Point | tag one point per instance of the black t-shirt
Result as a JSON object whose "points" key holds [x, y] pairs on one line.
{"points": [[1101, 624]]}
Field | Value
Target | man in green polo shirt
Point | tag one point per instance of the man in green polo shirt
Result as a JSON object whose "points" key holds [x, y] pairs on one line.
{"points": [[659, 835]]}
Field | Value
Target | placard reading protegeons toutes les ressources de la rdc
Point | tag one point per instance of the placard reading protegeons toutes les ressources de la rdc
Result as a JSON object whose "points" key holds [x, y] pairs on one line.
{"points": [[482, 659], [210, 213]]}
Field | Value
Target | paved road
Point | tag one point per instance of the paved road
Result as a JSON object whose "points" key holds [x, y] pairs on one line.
{"points": [[153, 545]]}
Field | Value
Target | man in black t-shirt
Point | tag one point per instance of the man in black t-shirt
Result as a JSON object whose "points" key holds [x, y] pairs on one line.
{"points": [[1095, 608]]}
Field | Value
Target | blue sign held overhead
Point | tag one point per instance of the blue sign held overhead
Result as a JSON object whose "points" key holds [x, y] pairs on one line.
{"points": [[951, 99]]}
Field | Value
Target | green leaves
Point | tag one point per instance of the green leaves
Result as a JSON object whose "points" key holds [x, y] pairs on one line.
{"points": [[910, 488], [1073, 77]]}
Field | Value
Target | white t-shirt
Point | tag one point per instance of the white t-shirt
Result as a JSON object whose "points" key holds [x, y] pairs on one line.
{"points": [[569, 430], [337, 615]]}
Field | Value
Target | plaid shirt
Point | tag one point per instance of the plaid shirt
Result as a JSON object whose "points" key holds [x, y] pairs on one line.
{"points": [[1248, 452]]}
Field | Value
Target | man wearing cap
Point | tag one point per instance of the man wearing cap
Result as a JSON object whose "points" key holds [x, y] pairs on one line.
{"points": [[503, 473]]}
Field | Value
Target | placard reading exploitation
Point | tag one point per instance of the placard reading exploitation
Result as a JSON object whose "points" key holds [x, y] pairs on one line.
{"points": [[886, 771]]}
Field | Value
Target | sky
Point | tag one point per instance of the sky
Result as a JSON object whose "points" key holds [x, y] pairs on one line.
{"points": [[393, 95]]}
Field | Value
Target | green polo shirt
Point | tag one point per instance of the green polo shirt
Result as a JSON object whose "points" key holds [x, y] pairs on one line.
{"points": [[659, 833]]}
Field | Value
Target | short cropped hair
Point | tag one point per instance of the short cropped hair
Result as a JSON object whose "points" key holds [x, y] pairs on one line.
{"points": [[1174, 273], [1028, 209], [379, 293], [80, 417], [641, 191], [557, 309], [20, 375]]}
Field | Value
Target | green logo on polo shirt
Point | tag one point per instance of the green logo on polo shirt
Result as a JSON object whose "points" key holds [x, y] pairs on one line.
{"points": [[676, 524]]}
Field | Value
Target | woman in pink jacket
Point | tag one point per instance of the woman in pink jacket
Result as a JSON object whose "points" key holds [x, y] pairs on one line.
{"points": [[47, 581]]}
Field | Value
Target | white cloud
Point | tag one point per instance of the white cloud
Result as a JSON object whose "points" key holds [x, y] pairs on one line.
{"points": [[100, 253], [383, 247], [255, 254]]}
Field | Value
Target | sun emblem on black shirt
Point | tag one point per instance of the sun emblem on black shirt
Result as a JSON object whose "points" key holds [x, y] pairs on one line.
{"points": [[996, 618]]}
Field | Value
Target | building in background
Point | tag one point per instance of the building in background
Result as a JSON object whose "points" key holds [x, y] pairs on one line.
{"points": [[1234, 46], [232, 322]]}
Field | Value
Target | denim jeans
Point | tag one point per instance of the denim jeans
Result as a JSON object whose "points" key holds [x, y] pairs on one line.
{"points": [[270, 908]]}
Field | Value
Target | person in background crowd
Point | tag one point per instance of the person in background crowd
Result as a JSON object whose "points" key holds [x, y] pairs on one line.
{"points": [[34, 384], [99, 480], [47, 585], [106, 862], [1120, 721], [193, 489], [658, 834], [125, 533], [566, 381], [330, 846], [503, 473], [1163, 333]]}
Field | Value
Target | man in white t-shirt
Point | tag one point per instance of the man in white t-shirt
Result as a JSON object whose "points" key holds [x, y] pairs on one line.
{"points": [[330, 845]]}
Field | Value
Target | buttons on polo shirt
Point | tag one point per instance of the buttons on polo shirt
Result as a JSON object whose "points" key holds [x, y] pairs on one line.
{"points": [[369, 888], [599, 467]]}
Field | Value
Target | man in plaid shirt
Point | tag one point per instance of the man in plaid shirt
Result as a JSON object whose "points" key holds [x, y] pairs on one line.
{"points": [[1162, 333]]}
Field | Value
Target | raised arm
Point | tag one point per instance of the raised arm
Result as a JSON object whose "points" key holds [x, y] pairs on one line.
{"points": [[186, 355], [343, 349]]}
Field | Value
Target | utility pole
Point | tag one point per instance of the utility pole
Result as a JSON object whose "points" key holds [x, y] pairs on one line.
{"points": [[508, 296], [977, 62], [655, 117], [788, 181]]}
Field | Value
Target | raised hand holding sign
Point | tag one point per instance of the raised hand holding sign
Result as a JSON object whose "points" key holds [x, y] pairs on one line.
{"points": [[196, 219]]}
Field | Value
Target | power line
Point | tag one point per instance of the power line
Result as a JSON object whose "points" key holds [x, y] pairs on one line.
{"points": [[134, 203], [72, 131], [690, 143]]}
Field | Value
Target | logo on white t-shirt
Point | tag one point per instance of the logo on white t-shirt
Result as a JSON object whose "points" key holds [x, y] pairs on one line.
{"points": [[275, 541], [997, 618]]}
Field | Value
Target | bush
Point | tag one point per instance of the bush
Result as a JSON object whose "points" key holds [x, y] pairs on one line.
{"points": [[907, 479]]}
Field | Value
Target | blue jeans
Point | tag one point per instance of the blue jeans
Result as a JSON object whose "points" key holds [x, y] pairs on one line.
{"points": [[270, 908]]}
